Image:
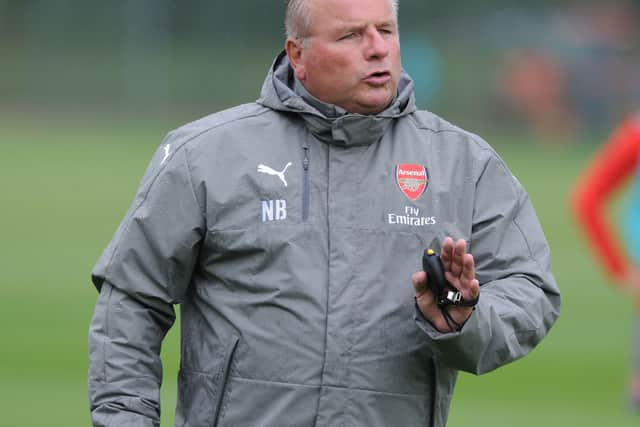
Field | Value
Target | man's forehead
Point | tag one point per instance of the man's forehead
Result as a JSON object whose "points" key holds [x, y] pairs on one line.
{"points": [[344, 22]]}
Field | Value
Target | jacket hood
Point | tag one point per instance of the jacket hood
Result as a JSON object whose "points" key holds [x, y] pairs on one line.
{"points": [[281, 92]]}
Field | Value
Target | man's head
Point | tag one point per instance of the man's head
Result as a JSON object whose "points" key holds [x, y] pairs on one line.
{"points": [[346, 52]]}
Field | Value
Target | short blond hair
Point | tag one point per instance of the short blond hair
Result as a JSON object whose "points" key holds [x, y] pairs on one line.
{"points": [[298, 18]]}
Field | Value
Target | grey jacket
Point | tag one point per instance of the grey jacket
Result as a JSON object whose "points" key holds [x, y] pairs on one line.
{"points": [[288, 238]]}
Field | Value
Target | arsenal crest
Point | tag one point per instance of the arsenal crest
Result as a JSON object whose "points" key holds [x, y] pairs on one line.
{"points": [[412, 180]]}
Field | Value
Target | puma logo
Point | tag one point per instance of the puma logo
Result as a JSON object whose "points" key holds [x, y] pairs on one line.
{"points": [[269, 171]]}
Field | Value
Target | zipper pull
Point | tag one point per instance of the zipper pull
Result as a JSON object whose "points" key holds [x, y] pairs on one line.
{"points": [[305, 161]]}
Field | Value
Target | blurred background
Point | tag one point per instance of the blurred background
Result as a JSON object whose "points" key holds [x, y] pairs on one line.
{"points": [[88, 89]]}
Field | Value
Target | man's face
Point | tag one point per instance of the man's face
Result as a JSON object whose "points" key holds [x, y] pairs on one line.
{"points": [[352, 55]]}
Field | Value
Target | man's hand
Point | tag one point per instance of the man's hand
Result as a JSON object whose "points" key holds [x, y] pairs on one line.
{"points": [[459, 270]]}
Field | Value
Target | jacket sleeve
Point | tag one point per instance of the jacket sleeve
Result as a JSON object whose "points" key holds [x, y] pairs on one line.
{"points": [[142, 273], [519, 298]]}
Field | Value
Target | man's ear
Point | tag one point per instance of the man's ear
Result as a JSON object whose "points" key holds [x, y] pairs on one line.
{"points": [[294, 51]]}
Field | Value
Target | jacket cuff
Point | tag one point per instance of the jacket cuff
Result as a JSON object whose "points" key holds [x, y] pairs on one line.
{"points": [[462, 349], [112, 416]]}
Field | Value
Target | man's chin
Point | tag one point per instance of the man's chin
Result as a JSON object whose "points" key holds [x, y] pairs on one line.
{"points": [[375, 106]]}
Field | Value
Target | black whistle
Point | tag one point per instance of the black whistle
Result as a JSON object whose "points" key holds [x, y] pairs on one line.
{"points": [[432, 265]]}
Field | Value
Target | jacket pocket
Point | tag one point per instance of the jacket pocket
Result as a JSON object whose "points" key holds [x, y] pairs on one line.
{"points": [[200, 394]]}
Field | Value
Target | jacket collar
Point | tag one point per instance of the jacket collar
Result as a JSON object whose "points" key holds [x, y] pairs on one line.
{"points": [[328, 122]]}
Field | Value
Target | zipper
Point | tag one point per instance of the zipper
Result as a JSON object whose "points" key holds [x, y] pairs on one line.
{"points": [[305, 184], [224, 373], [434, 387]]}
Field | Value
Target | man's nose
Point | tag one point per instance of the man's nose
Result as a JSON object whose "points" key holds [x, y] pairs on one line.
{"points": [[377, 46]]}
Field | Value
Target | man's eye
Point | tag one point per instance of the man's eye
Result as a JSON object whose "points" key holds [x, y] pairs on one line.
{"points": [[348, 36]]}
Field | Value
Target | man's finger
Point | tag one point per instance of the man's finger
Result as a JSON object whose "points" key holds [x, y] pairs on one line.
{"points": [[468, 267], [446, 253], [457, 263], [469, 286], [474, 289], [460, 249]]}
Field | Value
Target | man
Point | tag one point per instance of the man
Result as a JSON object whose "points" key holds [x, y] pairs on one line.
{"points": [[609, 172], [287, 230]]}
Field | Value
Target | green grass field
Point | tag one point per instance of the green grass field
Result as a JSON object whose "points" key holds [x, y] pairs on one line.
{"points": [[64, 190]]}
